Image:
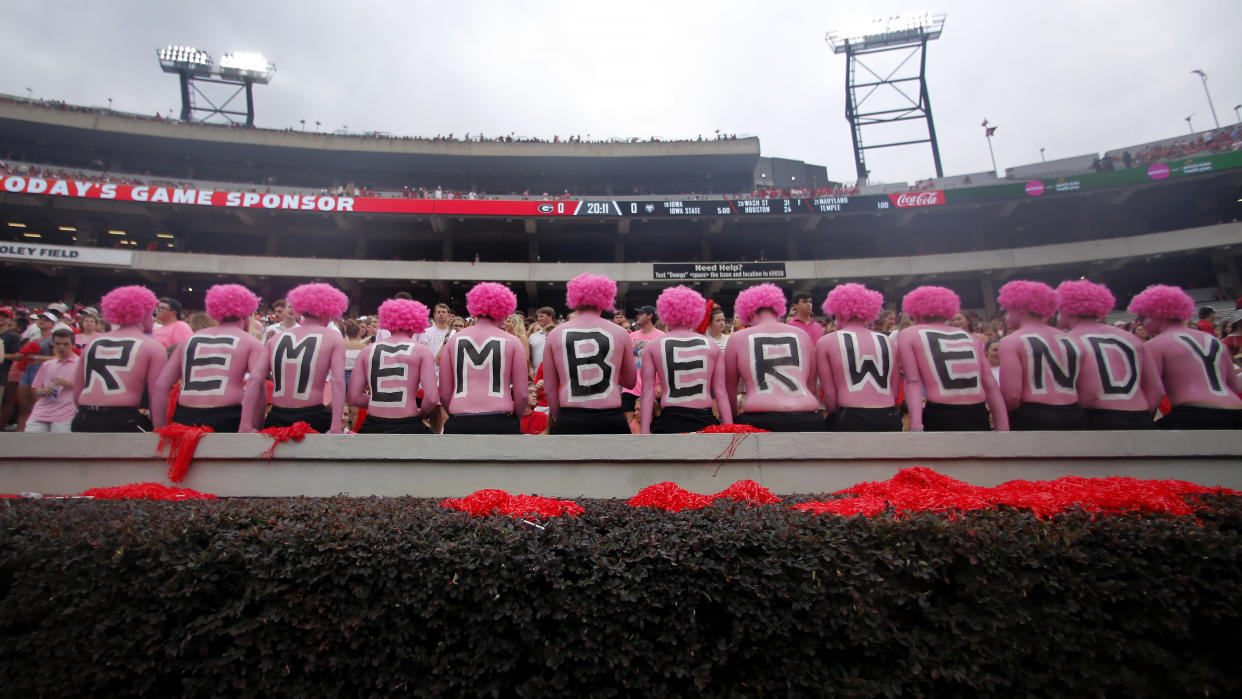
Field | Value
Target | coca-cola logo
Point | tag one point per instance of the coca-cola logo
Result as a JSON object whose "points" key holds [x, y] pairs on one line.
{"points": [[908, 199], [1035, 188], [1157, 171]]}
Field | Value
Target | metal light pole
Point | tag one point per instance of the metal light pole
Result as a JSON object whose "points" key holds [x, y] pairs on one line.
{"points": [[1203, 77], [1189, 125], [987, 133], [1042, 159], [109, 104], [1236, 115]]}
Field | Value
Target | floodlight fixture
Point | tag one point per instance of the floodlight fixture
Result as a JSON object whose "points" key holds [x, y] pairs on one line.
{"points": [[180, 59], [904, 32], [247, 65], [906, 29], [239, 69]]}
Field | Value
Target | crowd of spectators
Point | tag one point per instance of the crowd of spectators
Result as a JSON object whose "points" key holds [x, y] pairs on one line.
{"points": [[511, 137], [53, 334], [1210, 142]]}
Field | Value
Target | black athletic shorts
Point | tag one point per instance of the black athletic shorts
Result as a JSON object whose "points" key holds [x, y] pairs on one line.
{"points": [[102, 418], [629, 402], [483, 423], [675, 420], [948, 417], [865, 420], [319, 417], [1195, 417], [1098, 419], [590, 421], [808, 421], [1040, 416], [393, 425], [226, 418]]}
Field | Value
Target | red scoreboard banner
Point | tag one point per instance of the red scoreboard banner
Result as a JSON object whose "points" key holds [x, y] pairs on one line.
{"points": [[604, 208]]}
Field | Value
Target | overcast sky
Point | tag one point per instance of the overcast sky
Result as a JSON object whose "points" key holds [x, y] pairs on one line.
{"points": [[1072, 77]]}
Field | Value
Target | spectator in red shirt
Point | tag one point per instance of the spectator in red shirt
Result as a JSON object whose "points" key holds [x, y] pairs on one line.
{"points": [[1207, 320]]}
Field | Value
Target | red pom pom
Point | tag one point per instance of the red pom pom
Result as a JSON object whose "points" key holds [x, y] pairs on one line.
{"points": [[669, 496], [182, 441]]}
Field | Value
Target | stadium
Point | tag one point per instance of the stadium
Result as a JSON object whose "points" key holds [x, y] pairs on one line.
{"points": [[1048, 563]]}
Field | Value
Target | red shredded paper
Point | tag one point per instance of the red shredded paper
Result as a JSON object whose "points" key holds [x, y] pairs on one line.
{"points": [[296, 432], [481, 503], [669, 496], [146, 491], [182, 441], [749, 492], [920, 489], [736, 428]]}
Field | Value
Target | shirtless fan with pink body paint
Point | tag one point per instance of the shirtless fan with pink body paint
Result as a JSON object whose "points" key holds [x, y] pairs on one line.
{"points": [[117, 367]]}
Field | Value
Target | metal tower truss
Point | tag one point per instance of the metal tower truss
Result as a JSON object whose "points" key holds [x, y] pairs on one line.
{"points": [[886, 83]]}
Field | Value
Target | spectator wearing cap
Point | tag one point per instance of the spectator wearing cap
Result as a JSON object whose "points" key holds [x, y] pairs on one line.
{"points": [[171, 330], [12, 342], [34, 353], [53, 385], [1233, 330], [644, 319]]}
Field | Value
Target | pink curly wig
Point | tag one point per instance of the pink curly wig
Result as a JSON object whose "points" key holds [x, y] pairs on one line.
{"points": [[128, 305], [680, 307], [403, 316], [1084, 298], [591, 290], [1163, 301], [317, 300], [854, 301], [491, 300], [226, 301], [757, 297], [931, 302], [1036, 298]]}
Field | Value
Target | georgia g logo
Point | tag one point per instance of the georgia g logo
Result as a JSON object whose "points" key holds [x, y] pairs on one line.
{"points": [[546, 208]]}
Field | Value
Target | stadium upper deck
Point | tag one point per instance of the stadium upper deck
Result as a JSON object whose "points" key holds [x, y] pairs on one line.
{"points": [[81, 137]]}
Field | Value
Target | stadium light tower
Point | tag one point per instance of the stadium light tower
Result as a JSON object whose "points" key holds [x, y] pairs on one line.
{"points": [[906, 33], [240, 70]]}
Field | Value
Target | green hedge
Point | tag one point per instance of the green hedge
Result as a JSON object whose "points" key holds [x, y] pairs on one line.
{"points": [[342, 596]]}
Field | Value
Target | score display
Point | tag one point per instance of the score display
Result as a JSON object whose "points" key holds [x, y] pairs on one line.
{"points": [[710, 208]]}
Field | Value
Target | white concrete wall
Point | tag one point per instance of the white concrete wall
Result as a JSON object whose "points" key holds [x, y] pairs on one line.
{"points": [[615, 466]]}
